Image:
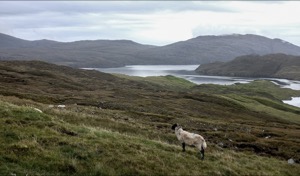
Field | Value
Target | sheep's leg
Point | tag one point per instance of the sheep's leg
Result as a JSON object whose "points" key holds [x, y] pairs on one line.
{"points": [[183, 147], [202, 153]]}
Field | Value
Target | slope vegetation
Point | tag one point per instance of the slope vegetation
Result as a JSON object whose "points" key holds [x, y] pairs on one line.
{"points": [[113, 125]]}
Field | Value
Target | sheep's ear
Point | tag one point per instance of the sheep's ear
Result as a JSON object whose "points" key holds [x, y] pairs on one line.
{"points": [[174, 126]]}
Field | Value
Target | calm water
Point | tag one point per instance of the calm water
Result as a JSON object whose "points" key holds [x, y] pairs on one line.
{"points": [[294, 102], [187, 72]]}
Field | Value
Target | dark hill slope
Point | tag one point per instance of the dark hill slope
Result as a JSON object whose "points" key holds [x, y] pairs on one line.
{"points": [[207, 49], [97, 53], [49, 83], [113, 53], [7, 41], [274, 65]]}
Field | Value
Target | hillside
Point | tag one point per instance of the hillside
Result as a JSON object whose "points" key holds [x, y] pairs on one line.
{"points": [[114, 53], [118, 125], [273, 66], [97, 53], [207, 49]]}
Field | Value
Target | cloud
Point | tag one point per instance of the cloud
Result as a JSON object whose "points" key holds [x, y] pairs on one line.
{"points": [[149, 22], [68, 7]]}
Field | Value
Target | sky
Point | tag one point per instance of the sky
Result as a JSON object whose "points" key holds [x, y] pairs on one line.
{"points": [[148, 22]]}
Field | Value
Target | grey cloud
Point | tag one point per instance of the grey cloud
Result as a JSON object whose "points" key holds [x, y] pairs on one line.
{"points": [[38, 15], [67, 7], [78, 20], [56, 20], [69, 34], [270, 2], [43, 20]]}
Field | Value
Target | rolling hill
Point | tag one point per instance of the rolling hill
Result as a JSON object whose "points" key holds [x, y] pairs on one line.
{"points": [[115, 125], [272, 66], [207, 49], [97, 53], [114, 53]]}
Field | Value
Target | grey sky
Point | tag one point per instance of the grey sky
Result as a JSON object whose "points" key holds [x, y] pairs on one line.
{"points": [[148, 22]]}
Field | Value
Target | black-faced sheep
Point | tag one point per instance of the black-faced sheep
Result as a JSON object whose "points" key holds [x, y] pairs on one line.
{"points": [[191, 139]]}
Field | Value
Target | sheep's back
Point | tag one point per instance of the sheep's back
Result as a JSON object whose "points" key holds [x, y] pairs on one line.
{"points": [[191, 138]]}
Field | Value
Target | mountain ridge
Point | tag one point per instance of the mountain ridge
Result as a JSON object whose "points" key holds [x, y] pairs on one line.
{"points": [[116, 53]]}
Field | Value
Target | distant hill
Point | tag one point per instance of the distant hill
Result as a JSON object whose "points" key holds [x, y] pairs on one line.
{"points": [[114, 53], [207, 49], [272, 65], [88, 53]]}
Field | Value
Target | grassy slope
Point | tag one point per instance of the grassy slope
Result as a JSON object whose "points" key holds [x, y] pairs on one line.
{"points": [[130, 132], [44, 143], [169, 81]]}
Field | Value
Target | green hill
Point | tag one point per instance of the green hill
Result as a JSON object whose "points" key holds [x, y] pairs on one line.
{"points": [[114, 125], [273, 65]]}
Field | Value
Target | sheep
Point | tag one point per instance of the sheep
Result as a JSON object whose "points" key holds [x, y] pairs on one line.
{"points": [[190, 139]]}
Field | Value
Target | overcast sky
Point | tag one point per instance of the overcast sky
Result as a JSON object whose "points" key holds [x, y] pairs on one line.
{"points": [[148, 22]]}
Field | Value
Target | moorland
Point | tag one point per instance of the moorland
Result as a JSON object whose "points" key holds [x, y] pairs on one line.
{"points": [[121, 125], [267, 66]]}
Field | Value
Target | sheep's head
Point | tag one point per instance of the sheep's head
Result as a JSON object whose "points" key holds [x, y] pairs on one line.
{"points": [[174, 126]]}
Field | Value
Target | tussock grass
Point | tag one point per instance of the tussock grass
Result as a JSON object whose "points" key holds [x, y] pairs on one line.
{"points": [[121, 126], [45, 143]]}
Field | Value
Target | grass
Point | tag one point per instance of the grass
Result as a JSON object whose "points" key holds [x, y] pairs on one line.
{"points": [[168, 82], [261, 88], [119, 125], [46, 144]]}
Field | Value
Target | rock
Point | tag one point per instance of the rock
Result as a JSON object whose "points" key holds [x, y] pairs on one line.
{"points": [[61, 106], [221, 144], [291, 161]]}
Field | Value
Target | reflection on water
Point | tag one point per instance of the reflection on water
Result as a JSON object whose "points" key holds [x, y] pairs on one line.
{"points": [[150, 70], [222, 80]]}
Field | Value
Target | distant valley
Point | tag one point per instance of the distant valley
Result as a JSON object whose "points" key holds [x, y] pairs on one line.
{"points": [[272, 65], [116, 53]]}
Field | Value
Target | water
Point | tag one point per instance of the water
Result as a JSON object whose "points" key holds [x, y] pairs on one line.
{"points": [[294, 102], [187, 72], [150, 70]]}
